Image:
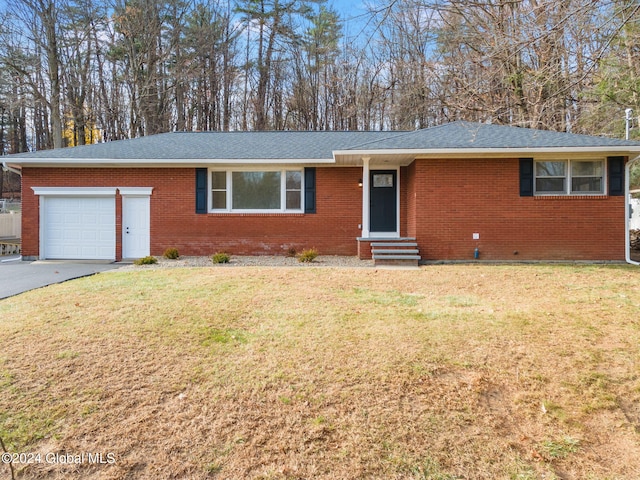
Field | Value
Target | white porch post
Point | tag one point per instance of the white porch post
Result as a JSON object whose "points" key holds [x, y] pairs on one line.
{"points": [[365, 197]]}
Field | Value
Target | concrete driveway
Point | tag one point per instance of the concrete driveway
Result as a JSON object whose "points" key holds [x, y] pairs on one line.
{"points": [[17, 276]]}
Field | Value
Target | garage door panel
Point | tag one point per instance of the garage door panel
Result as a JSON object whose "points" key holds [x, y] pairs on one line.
{"points": [[72, 235], [89, 236], [56, 234], [79, 228]]}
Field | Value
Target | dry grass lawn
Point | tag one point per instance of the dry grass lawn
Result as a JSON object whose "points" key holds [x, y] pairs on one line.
{"points": [[449, 372]]}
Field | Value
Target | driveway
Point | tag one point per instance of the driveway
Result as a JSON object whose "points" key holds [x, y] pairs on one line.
{"points": [[17, 276]]}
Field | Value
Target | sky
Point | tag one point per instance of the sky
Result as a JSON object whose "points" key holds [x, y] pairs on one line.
{"points": [[353, 12], [347, 8]]}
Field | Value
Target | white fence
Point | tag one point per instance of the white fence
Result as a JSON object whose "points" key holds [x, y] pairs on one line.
{"points": [[634, 219], [11, 224]]}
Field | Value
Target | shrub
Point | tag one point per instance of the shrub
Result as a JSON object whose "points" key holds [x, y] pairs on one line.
{"points": [[220, 257], [171, 253], [308, 255], [291, 252], [150, 260]]}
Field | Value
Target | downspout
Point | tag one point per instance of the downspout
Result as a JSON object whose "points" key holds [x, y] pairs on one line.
{"points": [[7, 168], [627, 211]]}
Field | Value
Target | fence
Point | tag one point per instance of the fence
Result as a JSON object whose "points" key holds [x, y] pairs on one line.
{"points": [[11, 225], [634, 218]]}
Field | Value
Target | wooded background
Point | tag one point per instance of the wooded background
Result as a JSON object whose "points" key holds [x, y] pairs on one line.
{"points": [[81, 71]]}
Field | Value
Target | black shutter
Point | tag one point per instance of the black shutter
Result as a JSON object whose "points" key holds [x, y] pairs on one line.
{"points": [[310, 190], [201, 190], [616, 176], [526, 177]]}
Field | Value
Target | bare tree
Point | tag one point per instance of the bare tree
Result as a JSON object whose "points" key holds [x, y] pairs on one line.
{"points": [[32, 52]]}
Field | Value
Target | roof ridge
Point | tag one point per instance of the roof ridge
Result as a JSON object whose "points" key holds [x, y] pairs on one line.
{"points": [[280, 132]]}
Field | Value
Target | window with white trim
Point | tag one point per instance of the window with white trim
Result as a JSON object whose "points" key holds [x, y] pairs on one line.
{"points": [[256, 190], [569, 177], [293, 190]]}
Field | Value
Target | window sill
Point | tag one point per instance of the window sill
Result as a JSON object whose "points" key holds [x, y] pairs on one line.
{"points": [[571, 197], [256, 214]]}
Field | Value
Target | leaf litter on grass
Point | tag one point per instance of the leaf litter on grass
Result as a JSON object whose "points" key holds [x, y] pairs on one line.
{"points": [[334, 373]]}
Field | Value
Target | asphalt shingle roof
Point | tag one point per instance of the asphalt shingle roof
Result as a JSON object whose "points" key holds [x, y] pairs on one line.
{"points": [[290, 145], [218, 145], [460, 135]]}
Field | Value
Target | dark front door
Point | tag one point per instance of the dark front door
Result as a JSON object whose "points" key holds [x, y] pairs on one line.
{"points": [[383, 199]]}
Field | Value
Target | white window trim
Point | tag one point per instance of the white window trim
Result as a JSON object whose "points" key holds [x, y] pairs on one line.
{"points": [[54, 192], [395, 234], [135, 191], [569, 175], [75, 191], [229, 191]]}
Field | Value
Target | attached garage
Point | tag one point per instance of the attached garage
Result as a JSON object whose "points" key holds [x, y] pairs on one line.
{"points": [[77, 224]]}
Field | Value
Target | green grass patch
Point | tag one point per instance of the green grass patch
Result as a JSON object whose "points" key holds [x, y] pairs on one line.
{"points": [[212, 336], [21, 428], [560, 448], [461, 301]]}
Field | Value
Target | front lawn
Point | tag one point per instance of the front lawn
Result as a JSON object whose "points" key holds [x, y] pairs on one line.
{"points": [[449, 372]]}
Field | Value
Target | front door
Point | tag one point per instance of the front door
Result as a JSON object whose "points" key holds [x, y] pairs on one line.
{"points": [[383, 201], [135, 226]]}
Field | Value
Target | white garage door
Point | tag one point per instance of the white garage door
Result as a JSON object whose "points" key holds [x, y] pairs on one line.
{"points": [[79, 228]]}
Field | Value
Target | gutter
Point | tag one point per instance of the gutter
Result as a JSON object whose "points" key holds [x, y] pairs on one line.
{"points": [[509, 152], [42, 161], [7, 168], [627, 211]]}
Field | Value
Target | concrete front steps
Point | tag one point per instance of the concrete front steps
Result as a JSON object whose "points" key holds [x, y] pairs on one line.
{"points": [[402, 253]]}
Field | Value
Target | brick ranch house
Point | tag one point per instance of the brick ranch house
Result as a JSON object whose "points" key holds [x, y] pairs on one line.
{"points": [[454, 192]]}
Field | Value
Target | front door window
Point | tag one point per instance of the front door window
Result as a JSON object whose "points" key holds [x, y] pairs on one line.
{"points": [[383, 201]]}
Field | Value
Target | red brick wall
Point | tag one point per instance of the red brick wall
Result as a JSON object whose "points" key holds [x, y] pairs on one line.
{"points": [[456, 198], [411, 201], [30, 215], [174, 223], [404, 200], [443, 202]]}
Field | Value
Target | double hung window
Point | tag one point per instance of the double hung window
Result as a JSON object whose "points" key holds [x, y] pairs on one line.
{"points": [[569, 177]]}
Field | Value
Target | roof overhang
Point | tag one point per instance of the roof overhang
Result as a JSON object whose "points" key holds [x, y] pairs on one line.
{"points": [[396, 157], [164, 163], [405, 157], [11, 168]]}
